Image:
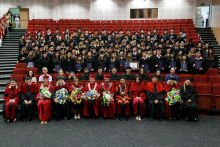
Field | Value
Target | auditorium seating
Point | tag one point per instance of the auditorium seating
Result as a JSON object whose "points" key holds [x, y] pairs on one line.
{"points": [[216, 96]]}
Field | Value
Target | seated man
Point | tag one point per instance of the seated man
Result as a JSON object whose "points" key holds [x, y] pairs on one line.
{"points": [[91, 109], [28, 98], [114, 75], [157, 74], [45, 73], [44, 104], [188, 95], [108, 111], [86, 75], [11, 98], [172, 75], [128, 75], [123, 99], [155, 97], [99, 76], [62, 110]]}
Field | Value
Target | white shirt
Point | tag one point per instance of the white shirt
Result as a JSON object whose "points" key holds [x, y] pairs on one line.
{"points": [[199, 58], [49, 79], [158, 56]]}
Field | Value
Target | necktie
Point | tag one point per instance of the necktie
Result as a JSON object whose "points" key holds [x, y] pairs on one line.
{"points": [[12, 93], [155, 90]]}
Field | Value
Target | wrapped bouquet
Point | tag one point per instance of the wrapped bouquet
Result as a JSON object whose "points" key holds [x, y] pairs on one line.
{"points": [[107, 98], [45, 93], [90, 96], [174, 97], [62, 95], [76, 97]]}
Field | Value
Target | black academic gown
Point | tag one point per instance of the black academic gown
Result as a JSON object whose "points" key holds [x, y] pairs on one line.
{"points": [[114, 77], [128, 77], [99, 77], [185, 50], [159, 79], [66, 63], [191, 109], [136, 56], [155, 62], [197, 71], [91, 60], [100, 61], [143, 77], [85, 77], [116, 64], [170, 36], [143, 61], [29, 59], [44, 63]]}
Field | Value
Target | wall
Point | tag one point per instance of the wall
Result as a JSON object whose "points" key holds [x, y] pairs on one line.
{"points": [[207, 2], [215, 20]]}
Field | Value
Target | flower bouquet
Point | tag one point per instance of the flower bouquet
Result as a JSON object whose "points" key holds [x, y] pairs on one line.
{"points": [[90, 95], [45, 93], [76, 97], [107, 98], [174, 97], [62, 95]]}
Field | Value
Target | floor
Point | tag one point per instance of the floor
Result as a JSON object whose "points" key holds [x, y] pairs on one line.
{"points": [[104, 132]]}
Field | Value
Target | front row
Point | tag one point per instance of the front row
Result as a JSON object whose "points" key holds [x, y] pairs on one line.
{"points": [[94, 99]]}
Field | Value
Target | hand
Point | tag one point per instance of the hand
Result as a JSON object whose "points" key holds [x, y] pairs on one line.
{"points": [[168, 66], [41, 98], [189, 100], [201, 68], [162, 68], [53, 69], [155, 101], [133, 69], [29, 101], [27, 66], [26, 102], [56, 100], [194, 65], [142, 65], [92, 69], [186, 70], [175, 68], [180, 69], [156, 65], [123, 99], [79, 70], [109, 70], [104, 69]]}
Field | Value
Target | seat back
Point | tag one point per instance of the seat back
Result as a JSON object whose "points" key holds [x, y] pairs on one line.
{"points": [[200, 78]]}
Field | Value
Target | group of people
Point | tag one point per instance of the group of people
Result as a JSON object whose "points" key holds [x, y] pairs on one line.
{"points": [[73, 52], [138, 96]]}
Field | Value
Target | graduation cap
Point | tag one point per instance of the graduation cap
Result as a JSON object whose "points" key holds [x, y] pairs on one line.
{"points": [[31, 50], [62, 49], [41, 35], [36, 46], [155, 29], [180, 50], [28, 35], [151, 36], [154, 76], [184, 55], [172, 29], [67, 29], [48, 29], [51, 46], [45, 77], [173, 53], [128, 31], [185, 37], [198, 51], [23, 46], [210, 48], [57, 51], [44, 52], [114, 52], [128, 67], [187, 79], [79, 55], [141, 29], [129, 52], [181, 31], [172, 78], [96, 31], [199, 43], [158, 49], [28, 78], [145, 51], [33, 42], [85, 30], [109, 47], [182, 41], [57, 29], [35, 35], [92, 76], [89, 51], [79, 29], [101, 52], [68, 52], [121, 51], [40, 47], [13, 80], [192, 47], [59, 78], [165, 30], [104, 30]]}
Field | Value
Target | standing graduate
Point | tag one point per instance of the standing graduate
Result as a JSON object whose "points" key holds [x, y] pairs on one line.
{"points": [[49, 34], [11, 100], [155, 98], [108, 111], [102, 61], [68, 63], [123, 99], [62, 110], [91, 109], [31, 58], [28, 99], [90, 60], [128, 75], [188, 95], [159, 58], [44, 104], [44, 62], [145, 60], [137, 92], [76, 108], [114, 62], [172, 111]]}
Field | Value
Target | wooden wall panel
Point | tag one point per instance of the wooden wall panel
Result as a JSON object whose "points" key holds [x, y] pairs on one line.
{"points": [[215, 19]]}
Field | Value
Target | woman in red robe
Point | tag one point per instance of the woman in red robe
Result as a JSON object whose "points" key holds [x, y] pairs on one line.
{"points": [[172, 111], [137, 90], [91, 108], [11, 97], [44, 104], [76, 108]]}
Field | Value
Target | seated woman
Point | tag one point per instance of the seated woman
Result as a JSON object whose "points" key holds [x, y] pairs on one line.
{"points": [[114, 62], [76, 108], [31, 74], [71, 76], [137, 91], [211, 59], [60, 76], [142, 74], [11, 98], [31, 59], [172, 112], [181, 64], [188, 95], [22, 55]]}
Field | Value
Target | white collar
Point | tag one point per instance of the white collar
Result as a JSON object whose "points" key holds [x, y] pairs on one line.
{"points": [[199, 58], [158, 56]]}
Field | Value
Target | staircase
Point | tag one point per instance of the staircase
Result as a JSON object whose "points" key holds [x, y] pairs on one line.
{"points": [[8, 58], [207, 35]]}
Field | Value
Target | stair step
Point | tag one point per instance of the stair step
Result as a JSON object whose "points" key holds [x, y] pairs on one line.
{"points": [[2, 65], [7, 54], [4, 68], [7, 62]]}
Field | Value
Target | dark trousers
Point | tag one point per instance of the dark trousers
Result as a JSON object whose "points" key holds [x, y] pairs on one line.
{"points": [[26, 111], [175, 110], [10, 24], [62, 110], [190, 110], [157, 109]]}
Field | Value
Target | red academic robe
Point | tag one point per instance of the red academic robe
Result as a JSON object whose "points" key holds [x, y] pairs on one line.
{"points": [[123, 93], [168, 88], [74, 88], [95, 104], [25, 87], [44, 106], [10, 113], [110, 110], [134, 88]]}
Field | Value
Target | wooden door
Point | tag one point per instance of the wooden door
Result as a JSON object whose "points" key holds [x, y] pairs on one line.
{"points": [[24, 17]]}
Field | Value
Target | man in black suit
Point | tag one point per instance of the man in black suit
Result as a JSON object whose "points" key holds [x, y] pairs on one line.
{"points": [[48, 34]]}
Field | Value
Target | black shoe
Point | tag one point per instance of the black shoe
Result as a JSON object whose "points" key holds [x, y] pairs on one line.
{"points": [[160, 119], [120, 118], [88, 117], [151, 118], [113, 118], [126, 118]]}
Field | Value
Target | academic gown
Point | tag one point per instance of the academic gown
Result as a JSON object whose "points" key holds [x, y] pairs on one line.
{"points": [[104, 62], [93, 61], [28, 94], [56, 62], [116, 64], [188, 68], [190, 109], [85, 77], [20, 57], [136, 56], [44, 106], [62, 110], [44, 63], [197, 71], [173, 110], [29, 59], [155, 62], [76, 108], [66, 63], [138, 90], [99, 77], [120, 93], [9, 109], [129, 77], [75, 69], [143, 77], [110, 110], [143, 61], [93, 107], [160, 78], [115, 77], [185, 50], [155, 94]]}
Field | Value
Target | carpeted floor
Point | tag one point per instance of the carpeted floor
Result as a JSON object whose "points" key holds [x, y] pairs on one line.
{"points": [[104, 132]]}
